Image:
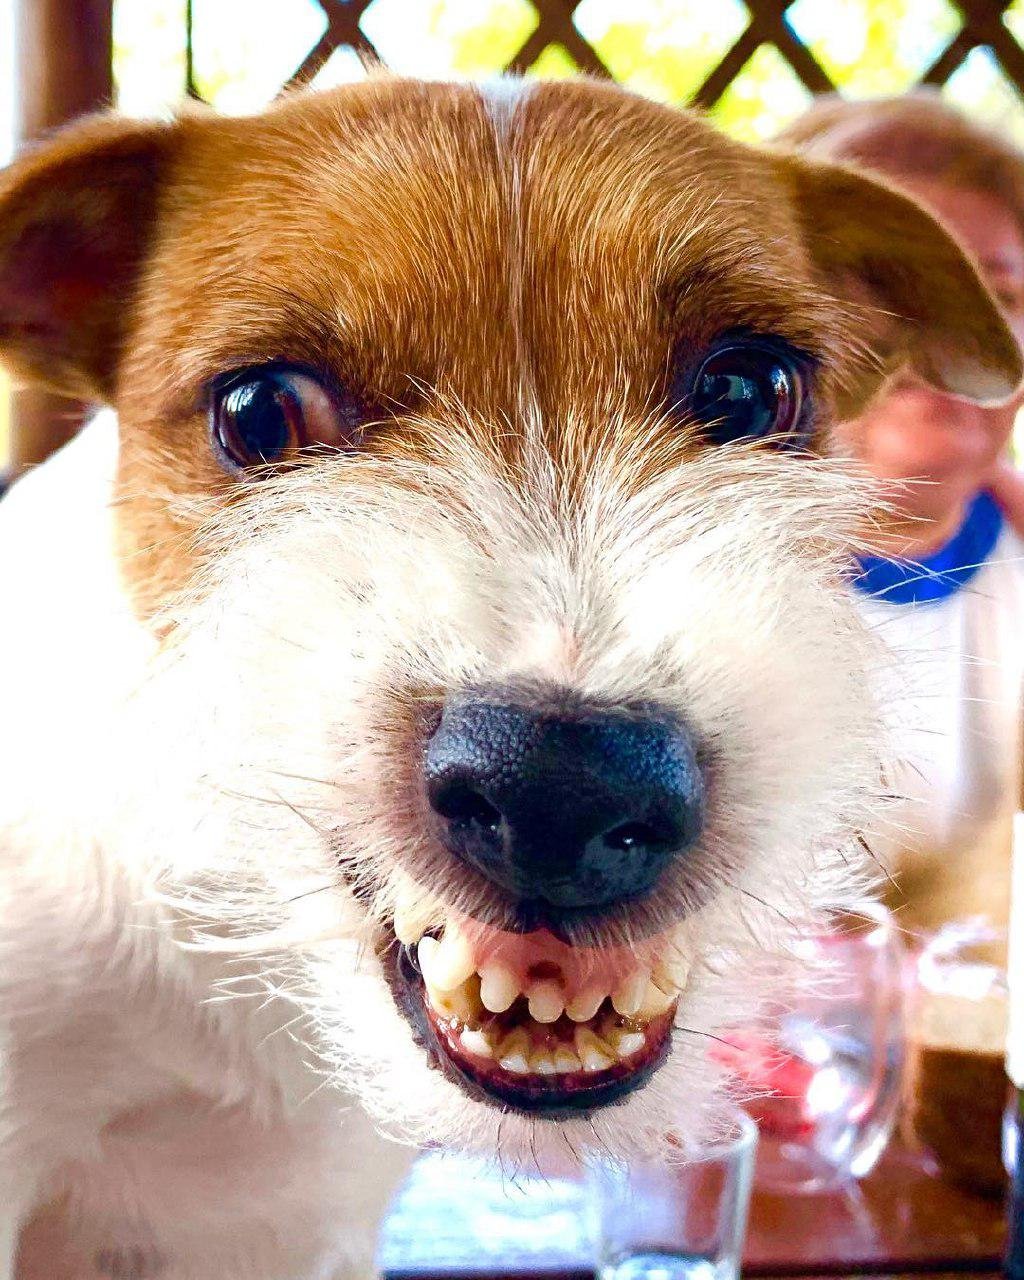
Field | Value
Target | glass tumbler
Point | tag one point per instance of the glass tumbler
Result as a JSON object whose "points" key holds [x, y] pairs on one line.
{"points": [[827, 1071], [675, 1222]]}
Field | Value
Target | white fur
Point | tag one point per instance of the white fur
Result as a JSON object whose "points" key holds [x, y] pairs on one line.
{"points": [[503, 97], [208, 793]]}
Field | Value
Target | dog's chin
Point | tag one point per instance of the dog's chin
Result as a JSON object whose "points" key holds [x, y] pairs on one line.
{"points": [[556, 1069]]}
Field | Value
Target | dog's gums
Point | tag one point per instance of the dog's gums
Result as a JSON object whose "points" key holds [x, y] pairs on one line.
{"points": [[533, 1042]]}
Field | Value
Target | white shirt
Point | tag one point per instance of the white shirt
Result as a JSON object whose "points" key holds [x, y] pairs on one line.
{"points": [[954, 701]]}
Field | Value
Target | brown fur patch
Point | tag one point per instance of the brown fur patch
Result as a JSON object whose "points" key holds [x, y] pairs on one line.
{"points": [[468, 265]]}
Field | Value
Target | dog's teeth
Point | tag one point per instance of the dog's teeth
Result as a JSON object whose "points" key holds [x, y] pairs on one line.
{"points": [[545, 1002], [593, 1052], [543, 1064], [628, 995], [565, 1060], [476, 1042], [655, 1002], [513, 1053], [498, 988], [452, 961], [406, 930], [426, 949], [626, 1043], [671, 975], [583, 1006], [462, 1004], [412, 915]]}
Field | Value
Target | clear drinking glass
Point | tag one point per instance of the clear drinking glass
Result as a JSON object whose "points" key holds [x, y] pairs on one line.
{"points": [[828, 1072], [675, 1222]]}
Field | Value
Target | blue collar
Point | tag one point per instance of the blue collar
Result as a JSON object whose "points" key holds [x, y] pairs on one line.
{"points": [[943, 572]]}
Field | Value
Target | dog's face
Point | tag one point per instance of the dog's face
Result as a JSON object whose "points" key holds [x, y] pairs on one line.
{"points": [[509, 709]]}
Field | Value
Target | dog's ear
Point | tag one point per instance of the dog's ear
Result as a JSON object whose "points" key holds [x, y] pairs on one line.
{"points": [[921, 300], [76, 217]]}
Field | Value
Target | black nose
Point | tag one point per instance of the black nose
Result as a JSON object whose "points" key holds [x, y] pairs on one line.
{"points": [[573, 808]]}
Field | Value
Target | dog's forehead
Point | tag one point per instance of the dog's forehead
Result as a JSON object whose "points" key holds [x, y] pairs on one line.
{"points": [[451, 236]]}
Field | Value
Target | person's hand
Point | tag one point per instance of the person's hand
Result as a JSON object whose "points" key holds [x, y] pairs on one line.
{"points": [[1006, 484]]}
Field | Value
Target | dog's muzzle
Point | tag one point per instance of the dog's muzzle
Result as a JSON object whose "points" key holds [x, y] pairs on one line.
{"points": [[566, 808]]}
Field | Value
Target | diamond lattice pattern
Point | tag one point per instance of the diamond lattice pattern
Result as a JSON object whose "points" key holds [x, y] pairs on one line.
{"points": [[752, 62]]}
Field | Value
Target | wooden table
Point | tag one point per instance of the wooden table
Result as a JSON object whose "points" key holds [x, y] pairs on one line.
{"points": [[899, 1220], [454, 1220]]}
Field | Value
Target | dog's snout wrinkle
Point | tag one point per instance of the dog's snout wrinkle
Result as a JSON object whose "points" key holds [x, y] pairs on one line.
{"points": [[575, 808]]}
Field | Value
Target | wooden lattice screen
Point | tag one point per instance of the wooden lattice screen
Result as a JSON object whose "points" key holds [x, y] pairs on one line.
{"points": [[981, 26]]}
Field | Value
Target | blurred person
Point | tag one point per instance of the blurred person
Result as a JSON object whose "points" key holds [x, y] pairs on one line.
{"points": [[946, 589]]}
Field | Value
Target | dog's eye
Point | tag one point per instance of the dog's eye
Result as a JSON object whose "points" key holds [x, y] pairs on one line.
{"points": [[260, 416], [746, 390]]}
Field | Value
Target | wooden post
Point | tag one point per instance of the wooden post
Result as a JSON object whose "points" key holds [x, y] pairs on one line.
{"points": [[63, 69]]}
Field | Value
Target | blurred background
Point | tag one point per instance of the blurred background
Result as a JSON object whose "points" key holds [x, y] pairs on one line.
{"points": [[752, 63]]}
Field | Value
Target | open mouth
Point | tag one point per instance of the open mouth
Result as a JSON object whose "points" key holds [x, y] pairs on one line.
{"points": [[532, 1023]]}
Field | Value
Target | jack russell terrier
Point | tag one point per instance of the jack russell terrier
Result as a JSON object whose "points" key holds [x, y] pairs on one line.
{"points": [[431, 696]]}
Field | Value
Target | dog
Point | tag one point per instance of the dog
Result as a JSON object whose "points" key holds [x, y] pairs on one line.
{"points": [[433, 699]]}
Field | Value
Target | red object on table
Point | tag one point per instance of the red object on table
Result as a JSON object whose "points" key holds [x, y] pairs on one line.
{"points": [[779, 1083]]}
